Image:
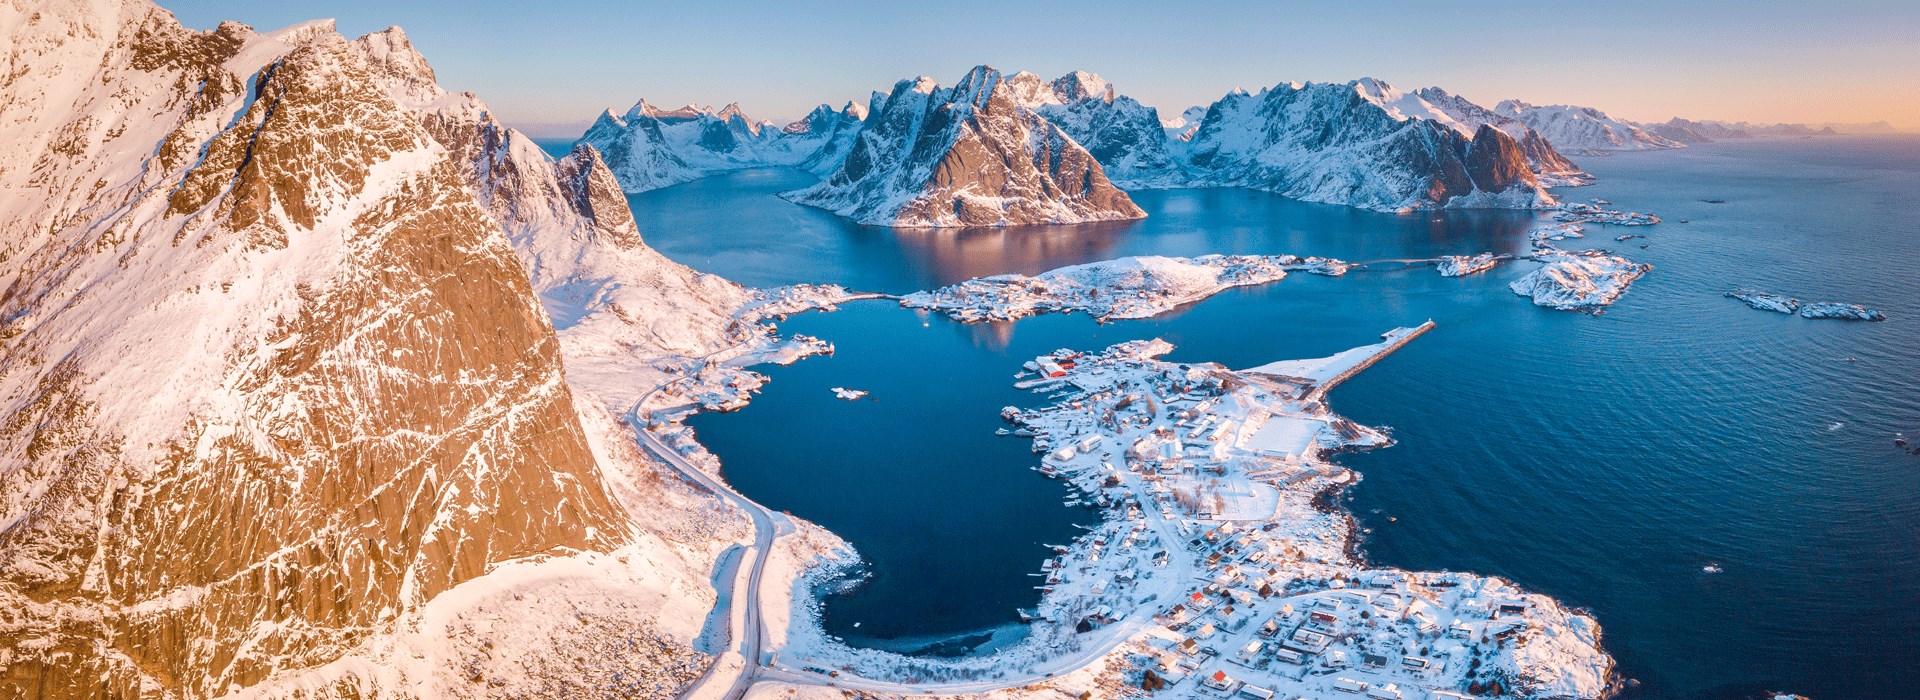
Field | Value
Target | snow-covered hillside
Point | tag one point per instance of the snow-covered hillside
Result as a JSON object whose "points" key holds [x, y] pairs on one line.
{"points": [[279, 405], [649, 148], [975, 154], [1583, 129], [1362, 144]]}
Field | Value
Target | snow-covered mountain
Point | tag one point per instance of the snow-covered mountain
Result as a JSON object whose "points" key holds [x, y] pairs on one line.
{"points": [[1180, 128], [1126, 137], [1709, 130], [649, 148], [278, 401], [1361, 144], [1551, 168], [1583, 129], [824, 137], [1691, 132], [975, 154]]}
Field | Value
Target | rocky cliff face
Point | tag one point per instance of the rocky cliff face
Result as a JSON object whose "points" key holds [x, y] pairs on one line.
{"points": [[1362, 144], [273, 380], [970, 155], [1548, 165], [1583, 129]]}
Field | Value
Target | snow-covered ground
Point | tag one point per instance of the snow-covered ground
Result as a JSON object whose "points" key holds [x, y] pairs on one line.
{"points": [[1221, 565], [1587, 280], [1463, 265], [1123, 288], [1581, 213]]}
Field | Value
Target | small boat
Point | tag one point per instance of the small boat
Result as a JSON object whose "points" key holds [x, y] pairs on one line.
{"points": [[845, 394]]}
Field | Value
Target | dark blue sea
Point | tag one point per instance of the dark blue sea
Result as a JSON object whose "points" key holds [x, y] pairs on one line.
{"points": [[1605, 460]]}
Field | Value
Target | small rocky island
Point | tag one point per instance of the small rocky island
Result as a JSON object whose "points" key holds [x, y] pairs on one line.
{"points": [[1123, 288], [1806, 309]]}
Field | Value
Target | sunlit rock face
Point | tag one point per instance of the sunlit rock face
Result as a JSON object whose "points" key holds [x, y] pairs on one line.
{"points": [[1549, 166], [272, 375], [974, 154]]}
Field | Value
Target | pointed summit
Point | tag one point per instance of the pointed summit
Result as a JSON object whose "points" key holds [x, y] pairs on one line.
{"points": [[1081, 85], [969, 155]]}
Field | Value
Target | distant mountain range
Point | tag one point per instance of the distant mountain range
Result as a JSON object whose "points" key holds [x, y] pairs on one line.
{"points": [[1001, 149]]}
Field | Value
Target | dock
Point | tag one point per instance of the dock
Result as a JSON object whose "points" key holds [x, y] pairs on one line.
{"points": [[1395, 339], [1325, 373]]}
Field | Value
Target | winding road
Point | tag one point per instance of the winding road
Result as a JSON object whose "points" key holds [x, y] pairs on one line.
{"points": [[767, 526]]}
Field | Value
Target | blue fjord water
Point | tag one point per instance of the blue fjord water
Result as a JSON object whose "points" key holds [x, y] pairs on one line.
{"points": [[1604, 460]]}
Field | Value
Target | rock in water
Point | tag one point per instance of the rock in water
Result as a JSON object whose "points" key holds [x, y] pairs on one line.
{"points": [[974, 154], [1806, 309], [1766, 302], [1839, 310]]}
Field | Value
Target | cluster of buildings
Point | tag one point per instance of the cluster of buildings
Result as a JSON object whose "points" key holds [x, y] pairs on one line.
{"points": [[1220, 555]]}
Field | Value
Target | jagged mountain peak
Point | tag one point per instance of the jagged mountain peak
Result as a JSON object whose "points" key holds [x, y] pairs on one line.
{"points": [[1082, 85], [978, 87], [970, 155], [398, 63], [652, 148]]}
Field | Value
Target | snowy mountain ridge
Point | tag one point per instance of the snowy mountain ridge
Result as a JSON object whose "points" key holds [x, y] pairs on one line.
{"points": [[649, 148], [1583, 129]]}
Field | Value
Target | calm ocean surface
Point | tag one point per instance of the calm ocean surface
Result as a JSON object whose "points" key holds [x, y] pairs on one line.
{"points": [[1602, 460]]}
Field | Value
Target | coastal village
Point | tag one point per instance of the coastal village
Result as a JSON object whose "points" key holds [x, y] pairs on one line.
{"points": [[1215, 479], [1223, 565]]}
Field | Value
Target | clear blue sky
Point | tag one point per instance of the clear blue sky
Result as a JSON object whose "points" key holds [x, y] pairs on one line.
{"points": [[1763, 61]]}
